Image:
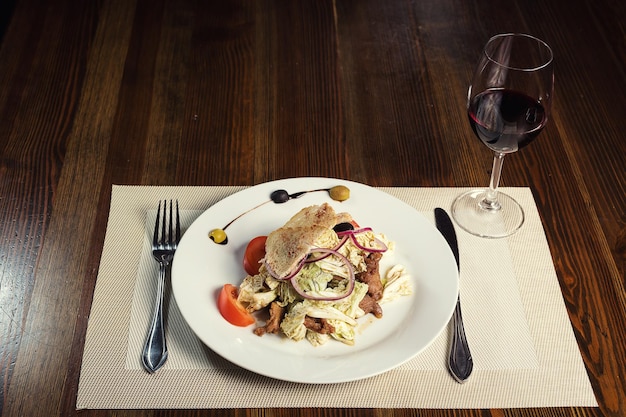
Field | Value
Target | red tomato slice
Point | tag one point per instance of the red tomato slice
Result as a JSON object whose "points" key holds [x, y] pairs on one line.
{"points": [[231, 309], [255, 251]]}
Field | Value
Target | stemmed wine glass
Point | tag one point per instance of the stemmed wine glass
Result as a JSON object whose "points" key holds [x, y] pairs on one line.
{"points": [[508, 104]]}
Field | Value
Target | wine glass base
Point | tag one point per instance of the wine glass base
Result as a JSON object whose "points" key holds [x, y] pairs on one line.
{"points": [[473, 215]]}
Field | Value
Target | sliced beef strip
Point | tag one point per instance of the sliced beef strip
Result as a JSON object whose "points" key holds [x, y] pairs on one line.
{"points": [[272, 325], [318, 325], [371, 276], [369, 305]]}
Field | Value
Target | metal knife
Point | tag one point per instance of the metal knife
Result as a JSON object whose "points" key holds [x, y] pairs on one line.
{"points": [[460, 361]]}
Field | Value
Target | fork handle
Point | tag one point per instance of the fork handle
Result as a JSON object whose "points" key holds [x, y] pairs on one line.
{"points": [[155, 350]]}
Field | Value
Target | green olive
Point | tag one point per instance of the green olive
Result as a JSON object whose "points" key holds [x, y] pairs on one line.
{"points": [[218, 236], [339, 193]]}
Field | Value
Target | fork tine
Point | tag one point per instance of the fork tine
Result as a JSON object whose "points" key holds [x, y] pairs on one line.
{"points": [[162, 240], [177, 226], [155, 237], [169, 243]]}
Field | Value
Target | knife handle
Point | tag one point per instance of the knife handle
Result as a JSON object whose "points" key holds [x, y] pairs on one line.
{"points": [[460, 362]]}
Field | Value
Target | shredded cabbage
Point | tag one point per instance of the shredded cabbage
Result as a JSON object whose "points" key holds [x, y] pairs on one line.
{"points": [[343, 331], [255, 294], [293, 322], [317, 339], [328, 239], [397, 283]]}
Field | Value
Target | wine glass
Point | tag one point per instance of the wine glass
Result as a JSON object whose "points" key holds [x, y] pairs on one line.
{"points": [[508, 104]]}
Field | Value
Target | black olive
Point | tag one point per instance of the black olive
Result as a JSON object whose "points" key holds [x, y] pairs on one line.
{"points": [[342, 227], [280, 196]]}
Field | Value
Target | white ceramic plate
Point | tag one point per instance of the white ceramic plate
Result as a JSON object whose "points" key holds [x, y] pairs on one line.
{"points": [[408, 325]]}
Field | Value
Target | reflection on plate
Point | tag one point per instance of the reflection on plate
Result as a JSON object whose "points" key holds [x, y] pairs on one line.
{"points": [[409, 324]]}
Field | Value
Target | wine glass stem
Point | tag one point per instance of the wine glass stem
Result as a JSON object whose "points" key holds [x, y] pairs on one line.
{"points": [[490, 202]]}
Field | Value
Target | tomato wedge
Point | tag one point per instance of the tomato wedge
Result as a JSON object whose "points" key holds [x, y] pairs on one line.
{"points": [[231, 309], [255, 251]]}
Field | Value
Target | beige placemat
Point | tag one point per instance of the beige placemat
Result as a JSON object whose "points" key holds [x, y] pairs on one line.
{"points": [[524, 349]]}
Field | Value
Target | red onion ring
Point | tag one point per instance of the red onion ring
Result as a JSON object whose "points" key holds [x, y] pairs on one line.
{"points": [[290, 275], [382, 247], [349, 287], [310, 259], [352, 233]]}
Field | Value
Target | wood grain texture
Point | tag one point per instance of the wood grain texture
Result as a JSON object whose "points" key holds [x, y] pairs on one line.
{"points": [[235, 92]]}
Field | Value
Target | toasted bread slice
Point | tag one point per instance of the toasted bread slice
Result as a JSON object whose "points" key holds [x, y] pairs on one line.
{"points": [[288, 245]]}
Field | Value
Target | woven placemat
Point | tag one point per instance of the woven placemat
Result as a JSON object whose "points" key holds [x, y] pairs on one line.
{"points": [[524, 349]]}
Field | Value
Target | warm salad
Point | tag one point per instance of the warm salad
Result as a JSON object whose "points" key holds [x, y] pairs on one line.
{"points": [[314, 277]]}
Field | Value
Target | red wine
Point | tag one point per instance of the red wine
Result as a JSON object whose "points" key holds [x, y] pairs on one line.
{"points": [[506, 120]]}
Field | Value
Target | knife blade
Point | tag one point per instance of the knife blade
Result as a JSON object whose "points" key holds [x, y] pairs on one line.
{"points": [[460, 362]]}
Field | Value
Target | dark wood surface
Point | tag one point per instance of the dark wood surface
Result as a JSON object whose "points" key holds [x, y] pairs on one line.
{"points": [[181, 92]]}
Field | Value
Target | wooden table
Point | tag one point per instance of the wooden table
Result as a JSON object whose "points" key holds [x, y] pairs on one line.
{"points": [[177, 92]]}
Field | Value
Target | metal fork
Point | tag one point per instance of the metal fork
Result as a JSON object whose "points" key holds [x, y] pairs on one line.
{"points": [[163, 248]]}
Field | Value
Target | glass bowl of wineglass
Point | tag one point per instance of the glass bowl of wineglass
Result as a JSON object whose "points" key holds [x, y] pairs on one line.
{"points": [[508, 105]]}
